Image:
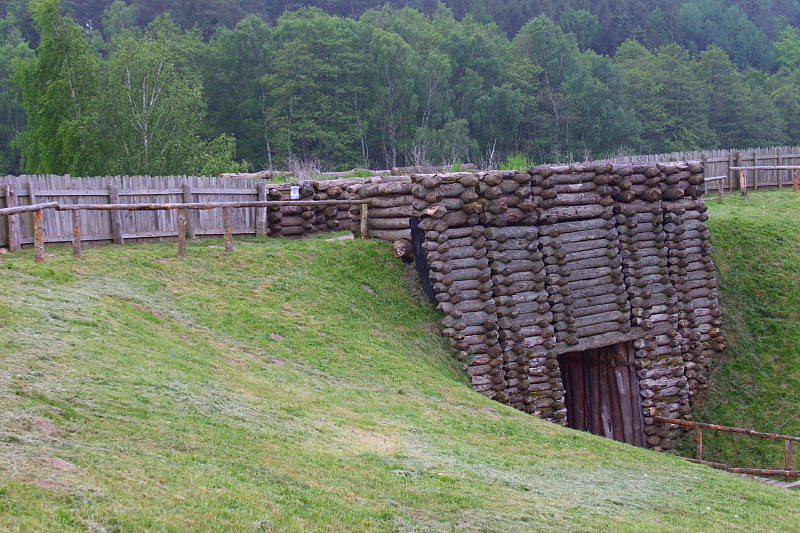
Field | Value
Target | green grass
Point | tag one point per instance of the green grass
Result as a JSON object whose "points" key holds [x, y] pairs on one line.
{"points": [[294, 386], [756, 382], [516, 162], [359, 173]]}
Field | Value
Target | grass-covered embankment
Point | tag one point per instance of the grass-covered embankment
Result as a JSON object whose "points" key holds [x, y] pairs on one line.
{"points": [[756, 382], [294, 386]]}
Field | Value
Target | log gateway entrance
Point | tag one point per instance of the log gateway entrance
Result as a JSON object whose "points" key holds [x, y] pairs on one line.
{"points": [[602, 393]]}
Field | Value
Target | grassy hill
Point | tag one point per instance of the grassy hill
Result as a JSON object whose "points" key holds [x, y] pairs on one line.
{"points": [[756, 383], [294, 386]]}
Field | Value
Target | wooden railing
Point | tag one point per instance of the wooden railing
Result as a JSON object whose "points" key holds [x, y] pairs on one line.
{"points": [[787, 473], [38, 240], [720, 185], [743, 175]]}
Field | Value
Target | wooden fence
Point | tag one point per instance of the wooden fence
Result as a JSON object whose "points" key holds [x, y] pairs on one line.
{"points": [[787, 473], [183, 209], [719, 163], [104, 227]]}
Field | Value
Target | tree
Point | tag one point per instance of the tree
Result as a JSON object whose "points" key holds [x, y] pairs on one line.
{"points": [[238, 64], [149, 107], [392, 70], [121, 20], [667, 100], [153, 112], [582, 23], [707, 22], [601, 120], [787, 48], [785, 94], [59, 92], [12, 112], [740, 115], [317, 70]]}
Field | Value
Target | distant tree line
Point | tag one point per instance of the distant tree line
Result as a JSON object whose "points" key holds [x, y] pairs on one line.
{"points": [[143, 87]]}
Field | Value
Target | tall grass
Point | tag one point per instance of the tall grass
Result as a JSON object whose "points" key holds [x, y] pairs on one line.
{"points": [[516, 162], [294, 386]]}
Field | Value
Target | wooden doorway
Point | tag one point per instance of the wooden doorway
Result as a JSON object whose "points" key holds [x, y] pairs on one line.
{"points": [[602, 393]]}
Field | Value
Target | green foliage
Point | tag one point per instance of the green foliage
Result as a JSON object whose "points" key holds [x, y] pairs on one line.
{"points": [[314, 83], [209, 157], [150, 109], [121, 21], [442, 146], [236, 67], [12, 113], [516, 162], [60, 95], [391, 65], [733, 106], [787, 48], [784, 92], [396, 86], [583, 24], [666, 98]]}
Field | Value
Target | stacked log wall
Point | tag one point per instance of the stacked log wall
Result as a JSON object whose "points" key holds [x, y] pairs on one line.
{"points": [[529, 265]]}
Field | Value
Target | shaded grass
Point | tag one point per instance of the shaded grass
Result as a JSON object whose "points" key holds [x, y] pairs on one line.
{"points": [[294, 386], [755, 383]]}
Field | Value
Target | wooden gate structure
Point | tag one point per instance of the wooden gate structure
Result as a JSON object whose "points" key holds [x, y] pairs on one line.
{"points": [[602, 392]]}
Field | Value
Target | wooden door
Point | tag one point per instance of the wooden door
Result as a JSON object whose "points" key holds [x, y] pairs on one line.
{"points": [[602, 393]]}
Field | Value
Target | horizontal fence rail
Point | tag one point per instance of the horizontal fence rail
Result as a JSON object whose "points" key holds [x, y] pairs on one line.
{"points": [[210, 205], [787, 473], [181, 208]]}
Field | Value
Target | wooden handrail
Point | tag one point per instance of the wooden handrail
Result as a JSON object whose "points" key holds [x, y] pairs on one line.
{"points": [[27, 208], [787, 473], [714, 427], [743, 179], [767, 167], [38, 235], [720, 187], [208, 205]]}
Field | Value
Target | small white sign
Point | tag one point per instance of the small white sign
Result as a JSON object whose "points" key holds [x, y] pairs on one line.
{"points": [[295, 192]]}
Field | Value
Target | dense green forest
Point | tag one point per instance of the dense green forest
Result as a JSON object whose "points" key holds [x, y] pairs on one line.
{"points": [[97, 87]]}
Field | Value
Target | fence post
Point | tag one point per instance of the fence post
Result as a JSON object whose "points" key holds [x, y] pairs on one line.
{"points": [[76, 234], [181, 232], [780, 164], [226, 222], [116, 216], [32, 193], [364, 225], [742, 174], [261, 212], [729, 173], [788, 458], [705, 171], [187, 199], [13, 223], [698, 438], [38, 237], [755, 172]]}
